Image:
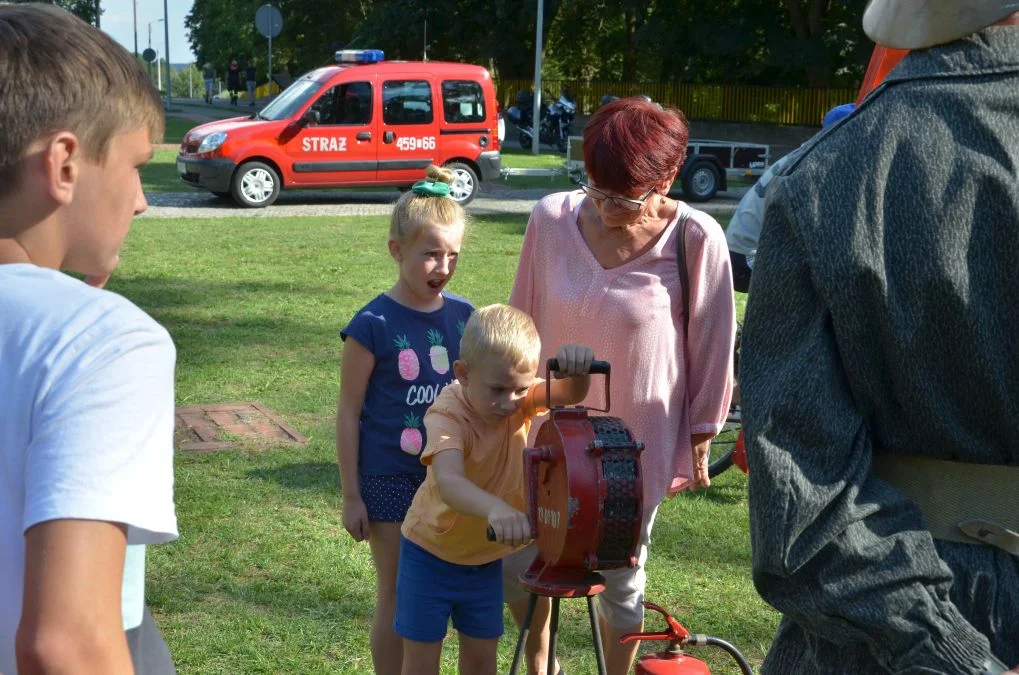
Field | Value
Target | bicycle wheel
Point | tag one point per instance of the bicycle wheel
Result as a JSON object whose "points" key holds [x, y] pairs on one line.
{"points": [[724, 443], [720, 464]]}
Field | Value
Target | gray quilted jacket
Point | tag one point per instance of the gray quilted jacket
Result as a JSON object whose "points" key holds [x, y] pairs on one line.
{"points": [[882, 318]]}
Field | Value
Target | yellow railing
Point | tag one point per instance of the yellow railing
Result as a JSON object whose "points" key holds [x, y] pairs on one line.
{"points": [[774, 105], [263, 91]]}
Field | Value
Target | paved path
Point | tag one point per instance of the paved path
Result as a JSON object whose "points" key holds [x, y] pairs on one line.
{"points": [[198, 204]]}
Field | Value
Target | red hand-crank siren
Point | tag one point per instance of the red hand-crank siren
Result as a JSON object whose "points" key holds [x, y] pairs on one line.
{"points": [[584, 496]]}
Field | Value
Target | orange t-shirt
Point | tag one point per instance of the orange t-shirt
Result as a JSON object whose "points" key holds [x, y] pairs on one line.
{"points": [[493, 460]]}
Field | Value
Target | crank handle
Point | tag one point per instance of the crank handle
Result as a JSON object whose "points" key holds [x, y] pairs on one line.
{"points": [[489, 535], [597, 367]]}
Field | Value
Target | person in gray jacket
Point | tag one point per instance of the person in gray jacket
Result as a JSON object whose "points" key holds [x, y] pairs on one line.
{"points": [[880, 368]]}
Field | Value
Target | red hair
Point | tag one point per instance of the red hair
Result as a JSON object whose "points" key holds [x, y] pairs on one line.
{"points": [[631, 144]]}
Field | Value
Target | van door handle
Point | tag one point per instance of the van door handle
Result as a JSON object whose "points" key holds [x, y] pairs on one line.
{"points": [[388, 136], [364, 136]]}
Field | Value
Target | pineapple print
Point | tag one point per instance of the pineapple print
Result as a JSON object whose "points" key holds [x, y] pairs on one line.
{"points": [[411, 440], [438, 354], [407, 361]]}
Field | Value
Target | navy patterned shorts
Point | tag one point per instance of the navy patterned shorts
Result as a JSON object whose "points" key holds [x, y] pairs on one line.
{"points": [[387, 498]]}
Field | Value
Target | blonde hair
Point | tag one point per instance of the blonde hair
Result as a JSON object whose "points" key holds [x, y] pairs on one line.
{"points": [[500, 331], [414, 210], [59, 73]]}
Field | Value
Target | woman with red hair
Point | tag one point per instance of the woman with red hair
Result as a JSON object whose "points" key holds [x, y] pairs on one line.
{"points": [[602, 265]]}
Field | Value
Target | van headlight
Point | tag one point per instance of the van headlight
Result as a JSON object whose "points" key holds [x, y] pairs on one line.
{"points": [[212, 141]]}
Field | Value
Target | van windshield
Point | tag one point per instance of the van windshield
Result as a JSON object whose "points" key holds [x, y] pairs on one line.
{"points": [[291, 100]]}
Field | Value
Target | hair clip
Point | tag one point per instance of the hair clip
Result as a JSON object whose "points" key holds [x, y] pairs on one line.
{"points": [[431, 188]]}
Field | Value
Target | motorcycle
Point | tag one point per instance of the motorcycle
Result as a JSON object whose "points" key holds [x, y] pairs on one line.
{"points": [[555, 124]]}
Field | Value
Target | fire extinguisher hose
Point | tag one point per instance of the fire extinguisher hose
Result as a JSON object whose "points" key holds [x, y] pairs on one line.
{"points": [[701, 640]]}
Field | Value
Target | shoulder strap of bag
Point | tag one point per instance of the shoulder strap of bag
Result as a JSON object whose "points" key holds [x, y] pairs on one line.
{"points": [[684, 278]]}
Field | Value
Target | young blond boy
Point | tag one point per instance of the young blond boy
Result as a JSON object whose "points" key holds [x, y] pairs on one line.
{"points": [[86, 378], [477, 429]]}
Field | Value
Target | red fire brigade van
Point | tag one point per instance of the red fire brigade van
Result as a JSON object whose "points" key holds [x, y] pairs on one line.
{"points": [[363, 122]]}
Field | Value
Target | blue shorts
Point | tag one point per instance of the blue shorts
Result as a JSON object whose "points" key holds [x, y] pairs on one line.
{"points": [[387, 498], [430, 590]]}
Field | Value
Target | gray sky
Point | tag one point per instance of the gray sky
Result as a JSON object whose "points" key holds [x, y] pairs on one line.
{"points": [[118, 15]]}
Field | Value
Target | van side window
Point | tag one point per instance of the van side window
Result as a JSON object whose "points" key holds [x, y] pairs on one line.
{"points": [[406, 102], [463, 101], [348, 103]]}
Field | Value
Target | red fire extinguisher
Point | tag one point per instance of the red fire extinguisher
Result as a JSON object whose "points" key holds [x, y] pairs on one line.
{"points": [[673, 660]]}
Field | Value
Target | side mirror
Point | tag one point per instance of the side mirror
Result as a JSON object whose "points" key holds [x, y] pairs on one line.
{"points": [[311, 119]]}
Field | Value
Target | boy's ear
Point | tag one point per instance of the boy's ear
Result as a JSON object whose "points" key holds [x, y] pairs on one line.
{"points": [[460, 371], [61, 158], [394, 250]]}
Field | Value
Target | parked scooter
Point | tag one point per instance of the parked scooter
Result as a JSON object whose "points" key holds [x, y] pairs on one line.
{"points": [[555, 125]]}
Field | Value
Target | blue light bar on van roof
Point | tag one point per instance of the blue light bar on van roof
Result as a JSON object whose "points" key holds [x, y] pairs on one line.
{"points": [[360, 56]]}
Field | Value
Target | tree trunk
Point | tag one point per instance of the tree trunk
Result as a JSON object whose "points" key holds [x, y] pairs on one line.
{"points": [[809, 31], [629, 49]]}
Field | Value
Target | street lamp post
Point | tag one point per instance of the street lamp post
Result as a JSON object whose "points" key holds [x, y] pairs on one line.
{"points": [[166, 41], [150, 47], [536, 119], [135, 28]]}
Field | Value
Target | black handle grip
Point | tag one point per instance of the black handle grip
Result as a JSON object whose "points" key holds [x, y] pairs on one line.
{"points": [[597, 367], [490, 534]]}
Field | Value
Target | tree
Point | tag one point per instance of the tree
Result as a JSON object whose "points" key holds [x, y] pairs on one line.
{"points": [[86, 10], [759, 42], [462, 32], [222, 30], [187, 81], [817, 26]]}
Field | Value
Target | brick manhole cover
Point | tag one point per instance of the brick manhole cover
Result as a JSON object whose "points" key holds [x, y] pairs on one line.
{"points": [[199, 428]]}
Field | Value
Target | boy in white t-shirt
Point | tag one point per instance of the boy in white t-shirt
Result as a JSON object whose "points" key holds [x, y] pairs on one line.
{"points": [[86, 378]]}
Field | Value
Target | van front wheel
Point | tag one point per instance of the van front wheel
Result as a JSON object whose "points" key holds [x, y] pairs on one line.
{"points": [[255, 185], [465, 183]]}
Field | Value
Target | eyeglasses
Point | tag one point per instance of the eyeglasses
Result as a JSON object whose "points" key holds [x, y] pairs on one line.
{"points": [[621, 202]]}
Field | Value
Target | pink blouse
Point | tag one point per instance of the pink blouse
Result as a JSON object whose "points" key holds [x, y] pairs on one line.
{"points": [[665, 386]]}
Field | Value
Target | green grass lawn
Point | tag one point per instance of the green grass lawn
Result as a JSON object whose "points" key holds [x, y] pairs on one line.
{"points": [[160, 174], [514, 156], [264, 579], [176, 127]]}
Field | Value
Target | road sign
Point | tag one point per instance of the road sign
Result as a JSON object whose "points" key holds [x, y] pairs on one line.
{"points": [[149, 54], [268, 21]]}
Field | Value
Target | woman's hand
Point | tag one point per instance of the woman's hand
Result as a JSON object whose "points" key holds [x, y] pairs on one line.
{"points": [[701, 444], [355, 518]]}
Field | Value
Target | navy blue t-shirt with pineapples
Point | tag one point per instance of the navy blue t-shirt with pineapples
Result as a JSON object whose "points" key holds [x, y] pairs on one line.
{"points": [[414, 353]]}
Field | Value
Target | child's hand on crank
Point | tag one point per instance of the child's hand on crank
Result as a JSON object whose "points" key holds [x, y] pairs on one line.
{"points": [[511, 527], [574, 360]]}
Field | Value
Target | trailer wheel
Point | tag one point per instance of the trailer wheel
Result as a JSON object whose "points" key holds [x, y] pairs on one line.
{"points": [[701, 184]]}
